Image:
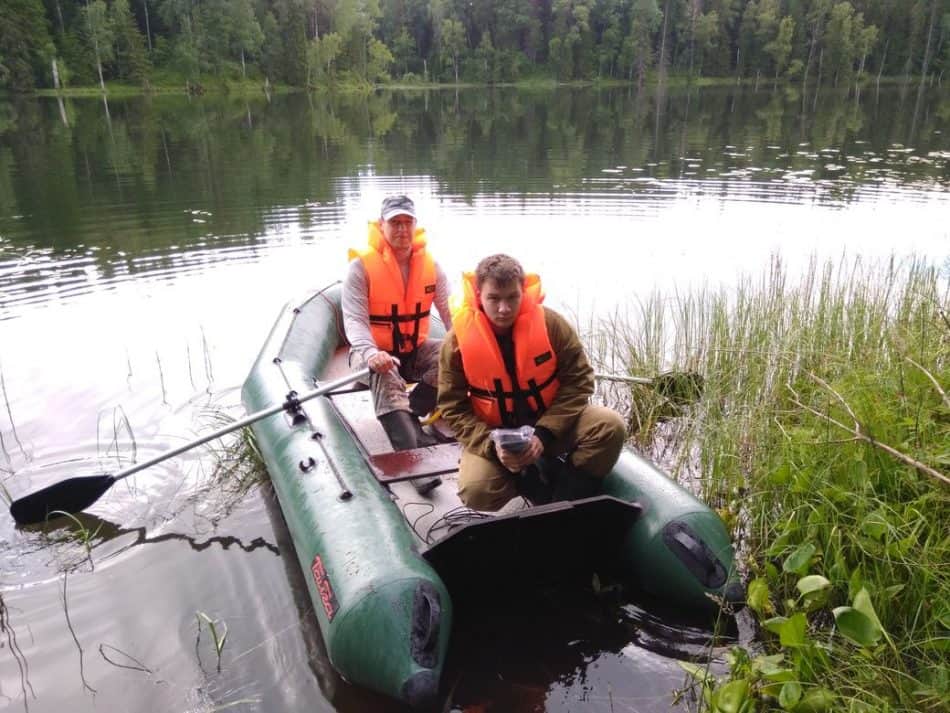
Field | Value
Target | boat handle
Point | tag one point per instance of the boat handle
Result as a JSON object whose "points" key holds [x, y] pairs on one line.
{"points": [[307, 465]]}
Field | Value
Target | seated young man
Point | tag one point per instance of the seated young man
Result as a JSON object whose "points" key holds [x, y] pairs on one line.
{"points": [[509, 361]]}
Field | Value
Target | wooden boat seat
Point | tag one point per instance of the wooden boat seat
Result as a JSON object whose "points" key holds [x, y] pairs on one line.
{"points": [[417, 463]]}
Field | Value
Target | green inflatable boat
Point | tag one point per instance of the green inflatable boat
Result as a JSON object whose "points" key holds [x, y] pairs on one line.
{"points": [[382, 561]]}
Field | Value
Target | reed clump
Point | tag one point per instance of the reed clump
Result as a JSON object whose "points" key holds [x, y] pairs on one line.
{"points": [[822, 436]]}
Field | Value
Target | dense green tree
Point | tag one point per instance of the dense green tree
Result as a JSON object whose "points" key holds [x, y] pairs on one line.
{"points": [[180, 51], [379, 58], [404, 50], [839, 41], [780, 47], [608, 30], [572, 39], [131, 59], [766, 26], [483, 59], [706, 36], [271, 50], [291, 20], [452, 40], [638, 55], [834, 41], [99, 34], [25, 43], [247, 36], [322, 56], [748, 55], [867, 40], [816, 18]]}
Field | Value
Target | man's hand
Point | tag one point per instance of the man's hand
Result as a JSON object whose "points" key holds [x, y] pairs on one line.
{"points": [[381, 362], [516, 461]]}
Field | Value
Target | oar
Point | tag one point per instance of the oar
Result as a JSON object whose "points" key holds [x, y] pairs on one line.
{"points": [[75, 494], [680, 387]]}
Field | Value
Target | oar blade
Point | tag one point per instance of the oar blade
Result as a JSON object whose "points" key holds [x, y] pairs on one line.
{"points": [[70, 495]]}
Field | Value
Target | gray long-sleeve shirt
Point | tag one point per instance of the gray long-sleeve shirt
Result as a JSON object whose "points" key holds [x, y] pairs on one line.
{"points": [[355, 303]]}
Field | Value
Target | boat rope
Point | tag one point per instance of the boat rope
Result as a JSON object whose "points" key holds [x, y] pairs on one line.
{"points": [[456, 517]]}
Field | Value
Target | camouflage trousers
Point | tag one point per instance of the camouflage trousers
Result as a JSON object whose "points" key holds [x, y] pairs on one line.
{"points": [[593, 445], [389, 389]]}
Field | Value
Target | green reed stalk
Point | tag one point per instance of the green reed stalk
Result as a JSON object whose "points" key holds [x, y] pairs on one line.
{"points": [[822, 438], [218, 637]]}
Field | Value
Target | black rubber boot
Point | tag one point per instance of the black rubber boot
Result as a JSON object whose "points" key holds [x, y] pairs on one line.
{"points": [[566, 482], [405, 433], [422, 399], [531, 485], [572, 484]]}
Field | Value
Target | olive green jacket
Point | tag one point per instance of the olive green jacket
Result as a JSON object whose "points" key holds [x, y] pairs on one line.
{"points": [[574, 373]]}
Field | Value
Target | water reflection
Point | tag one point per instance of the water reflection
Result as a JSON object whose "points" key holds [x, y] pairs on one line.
{"points": [[164, 185]]}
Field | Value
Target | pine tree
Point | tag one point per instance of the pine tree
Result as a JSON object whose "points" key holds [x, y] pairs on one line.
{"points": [[25, 44], [131, 59]]}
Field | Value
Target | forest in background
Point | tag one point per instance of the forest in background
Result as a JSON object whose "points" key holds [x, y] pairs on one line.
{"points": [[314, 43]]}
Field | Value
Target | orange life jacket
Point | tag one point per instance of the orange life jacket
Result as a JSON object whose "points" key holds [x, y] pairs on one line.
{"points": [[398, 313], [492, 389]]}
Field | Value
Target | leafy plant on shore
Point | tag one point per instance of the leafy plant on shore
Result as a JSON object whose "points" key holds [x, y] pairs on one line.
{"points": [[822, 434]]}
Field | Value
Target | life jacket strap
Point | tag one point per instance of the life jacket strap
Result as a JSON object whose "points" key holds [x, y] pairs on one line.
{"points": [[395, 319], [498, 393]]}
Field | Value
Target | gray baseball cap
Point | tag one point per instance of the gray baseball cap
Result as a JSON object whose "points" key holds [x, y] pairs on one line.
{"points": [[397, 205]]}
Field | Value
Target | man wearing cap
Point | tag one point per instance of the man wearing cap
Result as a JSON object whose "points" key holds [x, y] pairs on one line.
{"points": [[388, 293]]}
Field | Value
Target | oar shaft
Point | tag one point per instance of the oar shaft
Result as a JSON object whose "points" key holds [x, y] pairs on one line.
{"points": [[246, 421], [625, 379]]}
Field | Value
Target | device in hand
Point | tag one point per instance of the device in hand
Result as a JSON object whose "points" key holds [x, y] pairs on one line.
{"points": [[513, 440]]}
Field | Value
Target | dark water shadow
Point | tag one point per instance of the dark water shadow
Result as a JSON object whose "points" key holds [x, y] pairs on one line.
{"points": [[565, 644], [104, 530]]}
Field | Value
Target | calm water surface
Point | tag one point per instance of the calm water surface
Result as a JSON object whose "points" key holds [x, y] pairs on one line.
{"points": [[147, 245]]}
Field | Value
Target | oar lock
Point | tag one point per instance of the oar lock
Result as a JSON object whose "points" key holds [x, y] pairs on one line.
{"points": [[293, 409]]}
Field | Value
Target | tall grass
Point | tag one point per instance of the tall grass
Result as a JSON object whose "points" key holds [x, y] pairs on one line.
{"points": [[823, 437]]}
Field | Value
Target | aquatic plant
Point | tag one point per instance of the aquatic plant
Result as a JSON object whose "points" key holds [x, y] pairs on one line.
{"points": [[822, 437], [78, 532], [237, 468], [218, 637]]}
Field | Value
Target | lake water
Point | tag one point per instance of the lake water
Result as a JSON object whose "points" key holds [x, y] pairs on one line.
{"points": [[147, 245]]}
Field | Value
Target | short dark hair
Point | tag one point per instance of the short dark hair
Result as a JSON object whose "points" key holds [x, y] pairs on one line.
{"points": [[503, 269]]}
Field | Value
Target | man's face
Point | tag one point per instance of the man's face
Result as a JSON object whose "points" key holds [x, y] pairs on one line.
{"points": [[500, 303], [398, 232]]}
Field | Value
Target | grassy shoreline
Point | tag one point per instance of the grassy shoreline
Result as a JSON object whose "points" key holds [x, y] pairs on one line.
{"points": [[823, 437], [245, 87]]}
